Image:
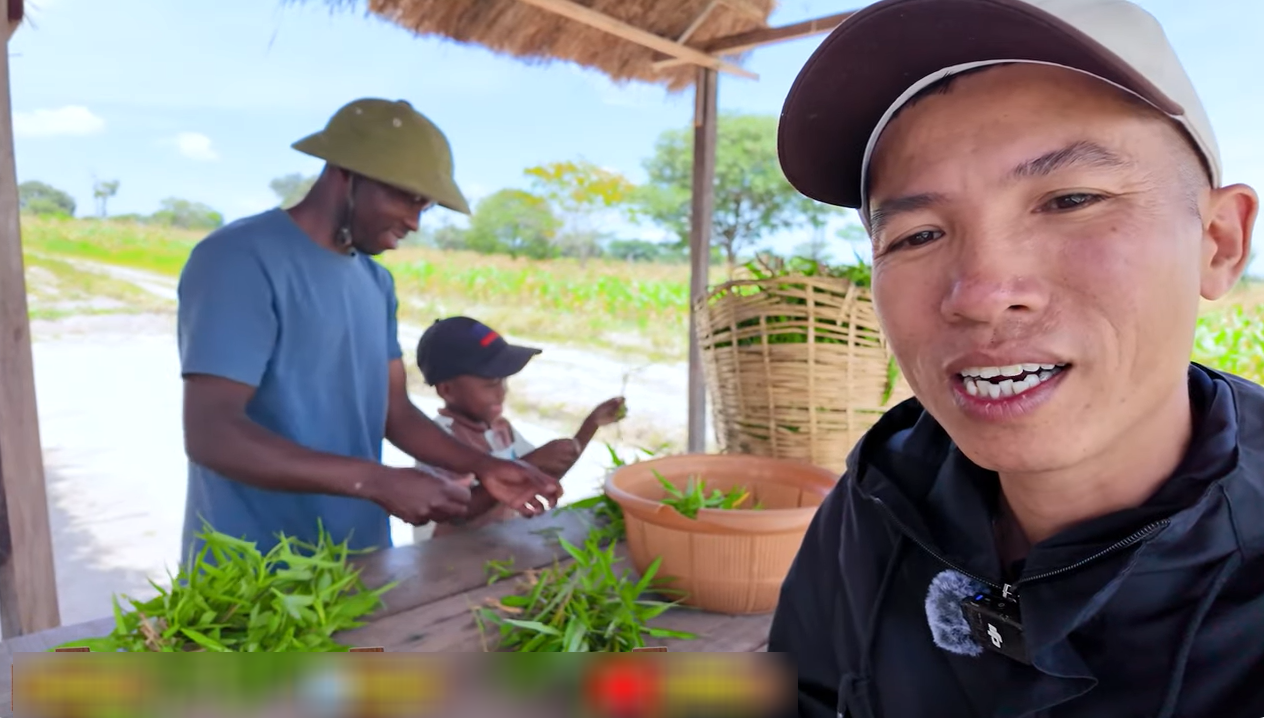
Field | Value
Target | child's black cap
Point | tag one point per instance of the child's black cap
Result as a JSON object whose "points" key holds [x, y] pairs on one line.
{"points": [[457, 346]]}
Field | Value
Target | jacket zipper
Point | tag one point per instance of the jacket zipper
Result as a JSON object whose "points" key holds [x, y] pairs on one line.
{"points": [[1010, 591]]}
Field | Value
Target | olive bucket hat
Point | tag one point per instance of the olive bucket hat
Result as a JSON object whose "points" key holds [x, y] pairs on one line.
{"points": [[392, 143]]}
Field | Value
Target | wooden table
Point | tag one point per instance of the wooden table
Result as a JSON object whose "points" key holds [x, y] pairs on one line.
{"points": [[439, 581]]}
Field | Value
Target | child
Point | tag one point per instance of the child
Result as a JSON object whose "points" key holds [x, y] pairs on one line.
{"points": [[468, 364]]}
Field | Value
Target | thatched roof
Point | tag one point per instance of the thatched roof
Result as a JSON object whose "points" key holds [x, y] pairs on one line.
{"points": [[536, 35]]}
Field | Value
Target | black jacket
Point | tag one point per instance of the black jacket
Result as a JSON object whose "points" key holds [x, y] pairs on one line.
{"points": [[1152, 612]]}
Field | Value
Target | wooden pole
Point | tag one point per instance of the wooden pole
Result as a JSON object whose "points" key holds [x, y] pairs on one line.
{"points": [[600, 21], [28, 587], [747, 41], [704, 136]]}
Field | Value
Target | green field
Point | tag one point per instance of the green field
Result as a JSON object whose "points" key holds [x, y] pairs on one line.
{"points": [[639, 309]]}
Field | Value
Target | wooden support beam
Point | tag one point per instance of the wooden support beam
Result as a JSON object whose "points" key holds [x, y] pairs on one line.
{"points": [[697, 22], [704, 137], [28, 589], [14, 12], [618, 28], [743, 42]]}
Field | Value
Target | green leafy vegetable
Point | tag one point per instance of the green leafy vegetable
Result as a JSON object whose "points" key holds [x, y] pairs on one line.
{"points": [[580, 606], [606, 512], [293, 599], [694, 497], [497, 570]]}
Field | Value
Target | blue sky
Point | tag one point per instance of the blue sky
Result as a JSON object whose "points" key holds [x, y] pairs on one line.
{"points": [[201, 98]]}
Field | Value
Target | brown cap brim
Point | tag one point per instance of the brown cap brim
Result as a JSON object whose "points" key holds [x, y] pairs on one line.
{"points": [[865, 64]]}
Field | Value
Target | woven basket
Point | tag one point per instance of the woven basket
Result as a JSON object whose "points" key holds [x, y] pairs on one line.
{"points": [[796, 366]]}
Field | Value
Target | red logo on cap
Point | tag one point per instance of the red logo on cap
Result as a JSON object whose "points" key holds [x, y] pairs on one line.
{"points": [[491, 337]]}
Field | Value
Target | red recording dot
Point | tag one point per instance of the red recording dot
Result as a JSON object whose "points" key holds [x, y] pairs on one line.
{"points": [[623, 689]]}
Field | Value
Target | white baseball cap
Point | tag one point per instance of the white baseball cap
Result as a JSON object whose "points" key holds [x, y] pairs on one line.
{"points": [[882, 56]]}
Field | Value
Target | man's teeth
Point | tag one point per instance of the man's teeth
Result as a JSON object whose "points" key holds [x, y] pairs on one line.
{"points": [[977, 379]]}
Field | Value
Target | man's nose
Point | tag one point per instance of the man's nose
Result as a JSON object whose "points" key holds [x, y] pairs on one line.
{"points": [[992, 278], [412, 220]]}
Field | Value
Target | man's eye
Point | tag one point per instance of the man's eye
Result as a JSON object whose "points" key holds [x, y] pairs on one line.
{"points": [[916, 240], [1072, 201]]}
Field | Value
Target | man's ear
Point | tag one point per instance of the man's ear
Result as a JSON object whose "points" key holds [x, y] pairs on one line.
{"points": [[1227, 226]]}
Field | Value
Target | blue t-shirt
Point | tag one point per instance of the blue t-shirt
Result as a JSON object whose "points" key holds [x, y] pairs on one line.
{"points": [[313, 331]]}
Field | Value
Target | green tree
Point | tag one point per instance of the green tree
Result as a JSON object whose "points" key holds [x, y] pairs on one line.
{"points": [[292, 188], [451, 237], [816, 249], [752, 197], [852, 233], [186, 214], [36, 197], [513, 222], [102, 192], [639, 250], [585, 197]]}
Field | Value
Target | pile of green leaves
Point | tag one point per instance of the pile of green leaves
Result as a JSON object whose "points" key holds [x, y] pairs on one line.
{"points": [[581, 606], [694, 497], [608, 527], [763, 267], [293, 599]]}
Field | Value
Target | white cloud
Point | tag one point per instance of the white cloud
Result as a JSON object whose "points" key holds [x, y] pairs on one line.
{"points": [[73, 120], [196, 146]]}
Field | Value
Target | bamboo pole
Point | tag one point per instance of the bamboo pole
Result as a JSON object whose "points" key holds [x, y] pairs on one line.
{"points": [[704, 138]]}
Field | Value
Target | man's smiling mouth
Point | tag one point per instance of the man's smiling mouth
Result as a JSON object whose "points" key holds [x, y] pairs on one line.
{"points": [[999, 382]]}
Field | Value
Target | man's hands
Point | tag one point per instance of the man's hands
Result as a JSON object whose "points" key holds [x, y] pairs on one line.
{"points": [[419, 497], [415, 496], [518, 485]]}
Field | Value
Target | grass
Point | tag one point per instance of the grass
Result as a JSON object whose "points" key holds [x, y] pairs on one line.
{"points": [[57, 288], [154, 249], [631, 308], [639, 309], [1232, 339]]}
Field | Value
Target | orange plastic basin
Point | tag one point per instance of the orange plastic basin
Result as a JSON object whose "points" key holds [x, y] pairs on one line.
{"points": [[726, 561]]}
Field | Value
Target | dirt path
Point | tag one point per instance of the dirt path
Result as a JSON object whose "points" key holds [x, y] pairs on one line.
{"points": [[109, 395], [557, 389]]}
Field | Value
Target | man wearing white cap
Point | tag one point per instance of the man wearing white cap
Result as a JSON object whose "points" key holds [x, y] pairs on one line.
{"points": [[1068, 520]]}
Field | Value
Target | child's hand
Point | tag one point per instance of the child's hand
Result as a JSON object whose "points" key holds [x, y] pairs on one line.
{"points": [[609, 412], [556, 457]]}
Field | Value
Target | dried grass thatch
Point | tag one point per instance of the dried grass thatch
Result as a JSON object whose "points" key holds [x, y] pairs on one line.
{"points": [[539, 36]]}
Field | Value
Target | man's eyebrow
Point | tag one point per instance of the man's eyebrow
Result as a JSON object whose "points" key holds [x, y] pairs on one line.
{"points": [[1089, 154], [891, 208], [1083, 152]]}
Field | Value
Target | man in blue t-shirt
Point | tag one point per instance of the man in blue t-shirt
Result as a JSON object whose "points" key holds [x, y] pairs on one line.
{"points": [[292, 368]]}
